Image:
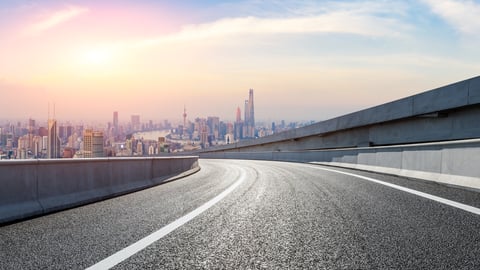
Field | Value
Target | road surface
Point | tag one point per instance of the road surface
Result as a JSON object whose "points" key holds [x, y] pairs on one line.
{"points": [[236, 214]]}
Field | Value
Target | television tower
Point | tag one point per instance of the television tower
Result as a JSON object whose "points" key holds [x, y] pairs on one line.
{"points": [[184, 120]]}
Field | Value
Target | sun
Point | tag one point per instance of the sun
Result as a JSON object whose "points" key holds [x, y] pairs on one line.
{"points": [[97, 56], [96, 61]]}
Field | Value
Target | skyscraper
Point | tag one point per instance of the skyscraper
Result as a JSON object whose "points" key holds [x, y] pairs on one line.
{"points": [[214, 126], [238, 126], [249, 126], [31, 132], [136, 126], [92, 143], [115, 123], [204, 135], [246, 112], [239, 115], [53, 146]]}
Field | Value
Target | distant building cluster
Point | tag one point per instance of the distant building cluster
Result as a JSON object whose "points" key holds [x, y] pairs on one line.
{"points": [[211, 131], [134, 138]]}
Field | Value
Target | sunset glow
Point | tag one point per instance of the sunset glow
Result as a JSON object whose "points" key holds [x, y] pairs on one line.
{"points": [[307, 61], [96, 57]]}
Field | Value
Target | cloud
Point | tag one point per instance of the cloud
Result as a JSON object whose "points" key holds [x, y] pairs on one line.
{"points": [[302, 8], [463, 15], [345, 22], [259, 19], [55, 19]]}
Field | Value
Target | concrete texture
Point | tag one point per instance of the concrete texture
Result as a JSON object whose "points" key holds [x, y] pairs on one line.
{"points": [[18, 192], [461, 161], [426, 159], [474, 92], [440, 99], [453, 163], [34, 187]]}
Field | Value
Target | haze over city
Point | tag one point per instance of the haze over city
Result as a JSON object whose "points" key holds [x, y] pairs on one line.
{"points": [[306, 60]]}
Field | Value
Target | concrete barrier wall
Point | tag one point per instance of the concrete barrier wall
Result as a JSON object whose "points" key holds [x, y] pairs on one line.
{"points": [[454, 163], [33, 187]]}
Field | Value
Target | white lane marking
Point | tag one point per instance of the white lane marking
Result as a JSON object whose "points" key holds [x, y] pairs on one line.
{"points": [[134, 248], [455, 204]]}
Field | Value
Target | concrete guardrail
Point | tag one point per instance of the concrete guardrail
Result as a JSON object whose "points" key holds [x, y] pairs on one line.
{"points": [[34, 187], [455, 163]]}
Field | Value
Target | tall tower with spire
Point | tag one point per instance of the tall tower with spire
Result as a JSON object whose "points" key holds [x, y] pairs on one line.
{"points": [[184, 121], [249, 128]]}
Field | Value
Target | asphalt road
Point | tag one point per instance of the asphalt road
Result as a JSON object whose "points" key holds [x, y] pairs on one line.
{"points": [[280, 216]]}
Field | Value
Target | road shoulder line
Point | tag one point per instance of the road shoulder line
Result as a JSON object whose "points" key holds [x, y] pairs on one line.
{"points": [[448, 202]]}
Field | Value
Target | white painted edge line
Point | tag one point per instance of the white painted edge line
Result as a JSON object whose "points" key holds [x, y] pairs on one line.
{"points": [[455, 204], [141, 244]]}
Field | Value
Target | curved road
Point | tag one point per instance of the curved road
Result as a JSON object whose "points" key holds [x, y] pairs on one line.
{"points": [[238, 214]]}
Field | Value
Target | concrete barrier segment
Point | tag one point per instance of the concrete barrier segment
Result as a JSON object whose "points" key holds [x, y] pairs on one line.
{"points": [[34, 187], [452, 162]]}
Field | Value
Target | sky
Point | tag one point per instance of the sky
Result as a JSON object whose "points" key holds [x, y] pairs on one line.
{"points": [[305, 60]]}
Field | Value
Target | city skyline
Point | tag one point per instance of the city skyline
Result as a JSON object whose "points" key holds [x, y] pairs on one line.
{"points": [[308, 60], [26, 140]]}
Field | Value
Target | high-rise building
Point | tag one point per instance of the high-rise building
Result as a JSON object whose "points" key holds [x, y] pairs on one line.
{"points": [[214, 126], [31, 132], [249, 126], [44, 143], [22, 146], [92, 143], [62, 133], [139, 148], [53, 146], [238, 130], [238, 126], [136, 126], [115, 123], [31, 125], [42, 131], [69, 131], [246, 111], [239, 115], [204, 136], [223, 130], [37, 146]]}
